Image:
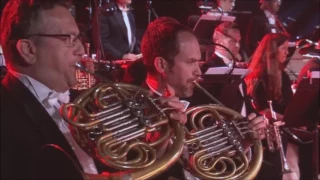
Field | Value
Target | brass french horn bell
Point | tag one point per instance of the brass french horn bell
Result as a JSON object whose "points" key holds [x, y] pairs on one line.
{"points": [[213, 143]]}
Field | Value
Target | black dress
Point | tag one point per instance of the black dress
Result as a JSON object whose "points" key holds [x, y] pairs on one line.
{"points": [[260, 96]]}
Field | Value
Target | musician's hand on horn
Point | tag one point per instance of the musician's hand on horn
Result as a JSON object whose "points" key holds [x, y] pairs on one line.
{"points": [[258, 125]]}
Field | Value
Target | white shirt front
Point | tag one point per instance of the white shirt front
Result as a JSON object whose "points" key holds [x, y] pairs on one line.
{"points": [[42, 92], [127, 23], [271, 20]]}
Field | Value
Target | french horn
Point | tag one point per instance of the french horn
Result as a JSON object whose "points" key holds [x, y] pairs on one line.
{"points": [[213, 143], [112, 123]]}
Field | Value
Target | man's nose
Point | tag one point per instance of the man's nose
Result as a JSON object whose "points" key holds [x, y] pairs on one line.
{"points": [[197, 73], [79, 49]]}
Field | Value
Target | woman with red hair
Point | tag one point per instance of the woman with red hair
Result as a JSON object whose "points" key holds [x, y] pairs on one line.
{"points": [[268, 81]]}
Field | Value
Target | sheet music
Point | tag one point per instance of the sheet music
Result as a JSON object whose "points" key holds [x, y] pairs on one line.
{"points": [[314, 74], [214, 17], [226, 70], [217, 17]]}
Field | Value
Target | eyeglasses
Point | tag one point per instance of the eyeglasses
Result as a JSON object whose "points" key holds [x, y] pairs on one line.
{"points": [[70, 39]]}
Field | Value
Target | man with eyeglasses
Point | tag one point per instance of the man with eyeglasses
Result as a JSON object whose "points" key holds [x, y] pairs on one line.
{"points": [[41, 44]]}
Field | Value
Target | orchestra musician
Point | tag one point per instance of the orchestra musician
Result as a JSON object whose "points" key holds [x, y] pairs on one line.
{"points": [[226, 34], [266, 21], [300, 156], [232, 95], [268, 81], [41, 43], [118, 33], [170, 54], [224, 6]]}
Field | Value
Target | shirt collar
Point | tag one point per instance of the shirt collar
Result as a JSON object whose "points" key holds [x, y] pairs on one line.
{"points": [[225, 59], [123, 9], [268, 14], [40, 90]]}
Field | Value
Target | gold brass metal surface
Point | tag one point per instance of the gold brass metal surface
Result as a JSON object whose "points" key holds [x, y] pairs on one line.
{"points": [[114, 122], [213, 143]]}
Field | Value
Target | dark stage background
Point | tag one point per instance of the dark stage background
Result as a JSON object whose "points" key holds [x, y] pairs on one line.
{"points": [[305, 12]]}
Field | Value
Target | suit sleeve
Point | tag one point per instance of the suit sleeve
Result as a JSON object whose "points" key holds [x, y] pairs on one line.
{"points": [[109, 49], [137, 49]]}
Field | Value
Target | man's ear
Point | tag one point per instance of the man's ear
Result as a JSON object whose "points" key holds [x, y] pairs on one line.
{"points": [[161, 65], [27, 51]]}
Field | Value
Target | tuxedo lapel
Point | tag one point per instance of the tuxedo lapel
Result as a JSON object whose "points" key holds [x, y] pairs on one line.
{"points": [[37, 113], [267, 25], [119, 19]]}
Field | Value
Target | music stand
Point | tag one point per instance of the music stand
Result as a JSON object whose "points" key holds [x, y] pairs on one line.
{"points": [[222, 75], [207, 23], [222, 85], [304, 110]]}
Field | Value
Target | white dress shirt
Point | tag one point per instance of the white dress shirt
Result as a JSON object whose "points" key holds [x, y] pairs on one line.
{"points": [[51, 100], [127, 23], [2, 61], [271, 20]]}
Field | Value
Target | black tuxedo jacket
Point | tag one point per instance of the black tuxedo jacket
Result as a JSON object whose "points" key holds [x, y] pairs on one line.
{"points": [[26, 128], [258, 27], [114, 38]]}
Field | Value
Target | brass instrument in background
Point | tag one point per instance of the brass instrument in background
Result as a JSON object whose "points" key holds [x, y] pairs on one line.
{"points": [[274, 139], [111, 122], [85, 80], [213, 136]]}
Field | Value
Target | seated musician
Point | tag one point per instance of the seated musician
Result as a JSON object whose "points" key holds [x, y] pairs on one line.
{"points": [[170, 54], [268, 81], [224, 6], [230, 94], [300, 155], [40, 41], [264, 22], [118, 33], [226, 34]]}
